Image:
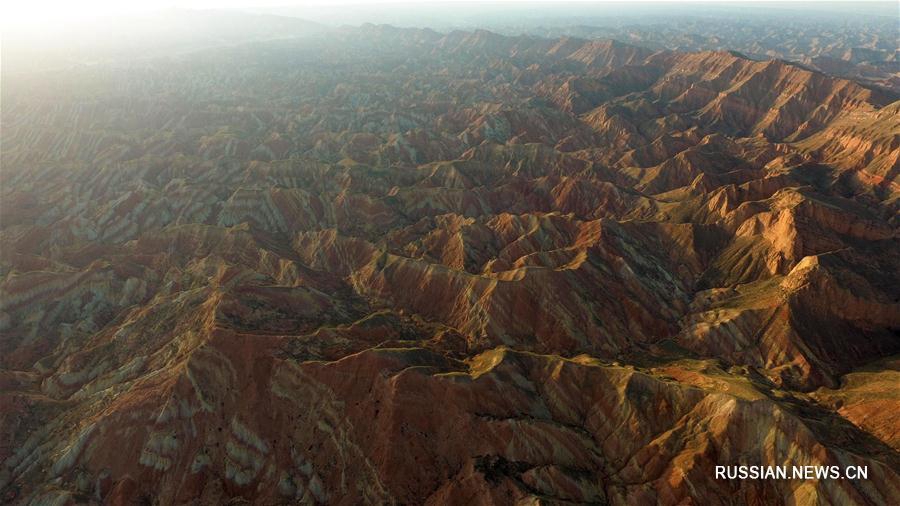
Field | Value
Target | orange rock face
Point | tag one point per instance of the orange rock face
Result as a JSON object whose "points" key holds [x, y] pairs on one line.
{"points": [[493, 270]]}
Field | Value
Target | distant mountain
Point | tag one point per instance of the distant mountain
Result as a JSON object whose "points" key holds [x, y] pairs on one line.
{"points": [[864, 48], [155, 34]]}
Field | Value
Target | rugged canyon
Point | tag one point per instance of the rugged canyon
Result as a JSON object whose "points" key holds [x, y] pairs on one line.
{"points": [[398, 266]]}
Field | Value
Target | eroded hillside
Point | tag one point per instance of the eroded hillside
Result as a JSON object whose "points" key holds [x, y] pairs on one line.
{"points": [[399, 266]]}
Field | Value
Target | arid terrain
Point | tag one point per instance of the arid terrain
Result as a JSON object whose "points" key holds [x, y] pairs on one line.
{"points": [[378, 265]]}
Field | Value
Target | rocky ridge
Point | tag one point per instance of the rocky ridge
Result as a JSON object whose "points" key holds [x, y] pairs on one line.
{"points": [[398, 266]]}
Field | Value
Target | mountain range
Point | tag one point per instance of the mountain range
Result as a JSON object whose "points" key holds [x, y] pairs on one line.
{"points": [[396, 265]]}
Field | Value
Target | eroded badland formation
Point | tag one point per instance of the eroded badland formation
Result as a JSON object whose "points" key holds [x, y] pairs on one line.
{"points": [[400, 266]]}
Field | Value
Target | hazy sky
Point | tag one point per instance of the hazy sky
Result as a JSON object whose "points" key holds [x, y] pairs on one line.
{"points": [[44, 11], [48, 14]]}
